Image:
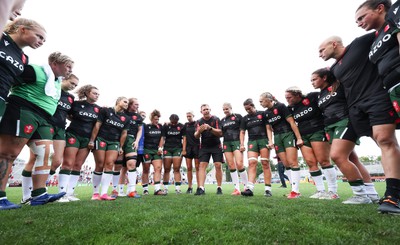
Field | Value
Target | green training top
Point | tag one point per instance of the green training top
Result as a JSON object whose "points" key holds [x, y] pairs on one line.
{"points": [[35, 92]]}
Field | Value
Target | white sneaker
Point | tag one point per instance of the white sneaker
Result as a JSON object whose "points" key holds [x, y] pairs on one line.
{"points": [[63, 199], [374, 198], [318, 194], [330, 196], [73, 198], [121, 194], [358, 200]]}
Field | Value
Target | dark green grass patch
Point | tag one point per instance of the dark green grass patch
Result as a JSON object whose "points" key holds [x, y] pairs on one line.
{"points": [[208, 219]]}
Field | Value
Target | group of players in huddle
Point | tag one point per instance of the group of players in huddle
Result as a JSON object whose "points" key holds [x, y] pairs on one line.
{"points": [[359, 96]]}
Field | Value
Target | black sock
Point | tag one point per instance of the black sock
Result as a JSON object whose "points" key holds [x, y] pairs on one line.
{"points": [[393, 188]]}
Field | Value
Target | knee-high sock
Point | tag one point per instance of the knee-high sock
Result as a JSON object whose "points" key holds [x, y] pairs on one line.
{"points": [[63, 180], [295, 173], [235, 178], [289, 174], [96, 181], [132, 176], [115, 180], [331, 177], [73, 181], [358, 187], [370, 189], [27, 184], [318, 180], [105, 182], [244, 176]]}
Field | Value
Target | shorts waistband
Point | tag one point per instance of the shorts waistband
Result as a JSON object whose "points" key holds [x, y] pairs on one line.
{"points": [[391, 89]]}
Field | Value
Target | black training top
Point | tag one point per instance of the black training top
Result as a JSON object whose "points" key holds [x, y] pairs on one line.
{"points": [[135, 123], [12, 62], [358, 75], [59, 119], [385, 49], [333, 105], [230, 126], [208, 139], [190, 129], [307, 114], [152, 136], [255, 124], [276, 117], [83, 117], [173, 135], [112, 123]]}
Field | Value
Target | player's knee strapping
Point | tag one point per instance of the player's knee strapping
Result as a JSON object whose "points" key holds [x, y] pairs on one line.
{"points": [[43, 150], [252, 159], [128, 158]]}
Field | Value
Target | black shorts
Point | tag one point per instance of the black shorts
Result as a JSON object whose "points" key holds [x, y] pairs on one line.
{"points": [[371, 112], [139, 160], [192, 152], [206, 153], [351, 134]]}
